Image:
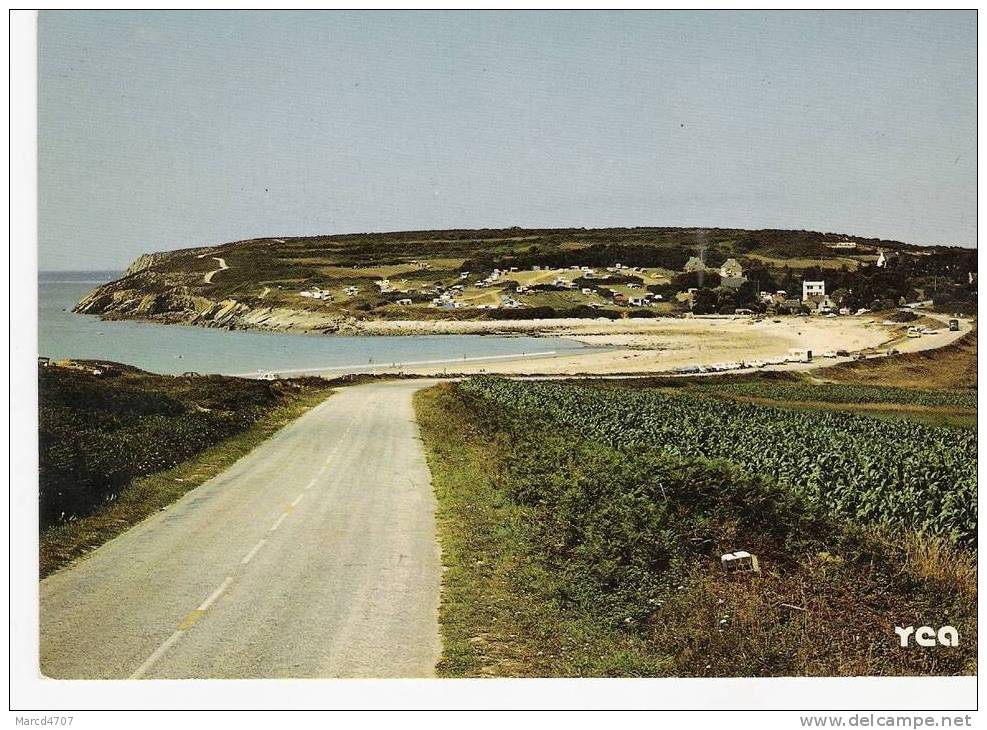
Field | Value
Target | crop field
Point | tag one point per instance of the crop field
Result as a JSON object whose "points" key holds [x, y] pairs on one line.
{"points": [[840, 393], [896, 472], [578, 542]]}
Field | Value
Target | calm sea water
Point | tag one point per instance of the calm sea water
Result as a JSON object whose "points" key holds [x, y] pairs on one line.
{"points": [[177, 349]]}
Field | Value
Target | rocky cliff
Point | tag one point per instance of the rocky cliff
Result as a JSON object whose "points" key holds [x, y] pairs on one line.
{"points": [[148, 291]]}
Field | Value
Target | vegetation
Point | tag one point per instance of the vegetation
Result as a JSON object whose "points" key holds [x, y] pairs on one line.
{"points": [[953, 366], [876, 472], [423, 265], [844, 393], [116, 448], [568, 555]]}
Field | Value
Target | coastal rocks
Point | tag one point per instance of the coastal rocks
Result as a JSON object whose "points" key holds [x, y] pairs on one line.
{"points": [[143, 262], [128, 299], [220, 314], [149, 260]]}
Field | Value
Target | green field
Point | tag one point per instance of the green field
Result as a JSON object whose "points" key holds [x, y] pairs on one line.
{"points": [[582, 528], [874, 471]]}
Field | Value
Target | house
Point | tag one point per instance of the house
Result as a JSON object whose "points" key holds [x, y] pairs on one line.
{"points": [[694, 264], [791, 306], [813, 288], [731, 269], [820, 303], [44, 362], [885, 259], [638, 302], [403, 302], [619, 298], [842, 245]]}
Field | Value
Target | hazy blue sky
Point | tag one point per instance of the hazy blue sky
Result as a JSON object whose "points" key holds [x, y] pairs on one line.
{"points": [[167, 130]]}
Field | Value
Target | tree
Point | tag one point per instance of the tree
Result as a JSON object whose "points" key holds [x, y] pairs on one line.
{"points": [[704, 301]]}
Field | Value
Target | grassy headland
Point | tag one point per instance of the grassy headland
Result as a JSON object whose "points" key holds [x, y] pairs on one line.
{"points": [[118, 446], [333, 283]]}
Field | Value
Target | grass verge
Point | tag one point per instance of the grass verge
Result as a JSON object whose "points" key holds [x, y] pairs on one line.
{"points": [[499, 616], [62, 543], [953, 366]]}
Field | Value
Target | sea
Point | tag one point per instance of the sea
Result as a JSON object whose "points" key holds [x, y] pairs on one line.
{"points": [[175, 349]]}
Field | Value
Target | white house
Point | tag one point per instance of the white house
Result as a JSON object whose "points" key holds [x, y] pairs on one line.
{"points": [[813, 288]]}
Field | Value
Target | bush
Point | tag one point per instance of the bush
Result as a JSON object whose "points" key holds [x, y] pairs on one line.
{"points": [[97, 435]]}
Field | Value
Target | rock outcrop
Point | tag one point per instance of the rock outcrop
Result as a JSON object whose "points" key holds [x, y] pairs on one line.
{"points": [[174, 297]]}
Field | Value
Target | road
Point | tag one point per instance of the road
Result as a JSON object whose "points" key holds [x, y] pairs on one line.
{"points": [[943, 337], [313, 556]]}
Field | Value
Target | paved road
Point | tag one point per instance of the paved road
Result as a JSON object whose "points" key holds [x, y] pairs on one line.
{"points": [[943, 337], [313, 556]]}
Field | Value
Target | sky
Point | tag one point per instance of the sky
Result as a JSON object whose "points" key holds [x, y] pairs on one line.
{"points": [[163, 130]]}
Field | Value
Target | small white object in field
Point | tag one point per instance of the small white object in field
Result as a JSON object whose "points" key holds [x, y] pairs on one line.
{"points": [[740, 561]]}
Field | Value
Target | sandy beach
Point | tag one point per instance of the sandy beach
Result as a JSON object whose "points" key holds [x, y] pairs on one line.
{"points": [[637, 346]]}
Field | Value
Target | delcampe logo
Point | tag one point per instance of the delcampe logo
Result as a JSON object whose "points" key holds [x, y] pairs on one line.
{"points": [[927, 636]]}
